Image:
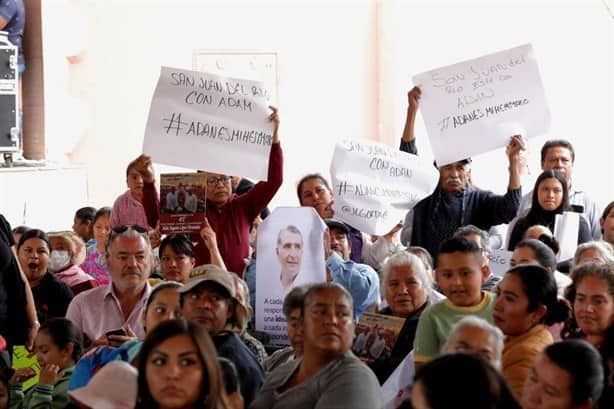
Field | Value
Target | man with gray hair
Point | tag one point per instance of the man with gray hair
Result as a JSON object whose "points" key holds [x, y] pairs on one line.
{"points": [[475, 335], [289, 252], [455, 201], [111, 314]]}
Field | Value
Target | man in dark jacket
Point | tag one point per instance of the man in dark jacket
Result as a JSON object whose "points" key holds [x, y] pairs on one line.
{"points": [[455, 201], [208, 298]]}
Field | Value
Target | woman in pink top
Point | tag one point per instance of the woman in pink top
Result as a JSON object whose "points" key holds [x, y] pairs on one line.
{"points": [[95, 262], [67, 252], [140, 204]]}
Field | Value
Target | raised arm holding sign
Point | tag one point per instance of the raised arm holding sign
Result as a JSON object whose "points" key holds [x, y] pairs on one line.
{"points": [[230, 216], [198, 118], [455, 202], [474, 106]]}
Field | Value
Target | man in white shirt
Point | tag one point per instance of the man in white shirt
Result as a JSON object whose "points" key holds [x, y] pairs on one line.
{"points": [[191, 201]]}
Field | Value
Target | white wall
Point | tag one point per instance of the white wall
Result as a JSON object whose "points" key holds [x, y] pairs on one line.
{"points": [[326, 68], [341, 74], [38, 197], [574, 45]]}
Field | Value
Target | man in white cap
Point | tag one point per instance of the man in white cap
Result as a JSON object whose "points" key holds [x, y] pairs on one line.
{"points": [[208, 298]]}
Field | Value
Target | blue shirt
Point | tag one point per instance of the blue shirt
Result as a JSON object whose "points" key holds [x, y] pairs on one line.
{"points": [[359, 279], [15, 13]]}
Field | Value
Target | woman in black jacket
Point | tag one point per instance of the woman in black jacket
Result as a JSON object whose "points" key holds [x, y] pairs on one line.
{"points": [[550, 197]]}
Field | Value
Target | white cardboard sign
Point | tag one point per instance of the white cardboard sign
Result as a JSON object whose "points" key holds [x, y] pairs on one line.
{"points": [[290, 251], [475, 106], [566, 227], [209, 122], [499, 261], [399, 384], [375, 185]]}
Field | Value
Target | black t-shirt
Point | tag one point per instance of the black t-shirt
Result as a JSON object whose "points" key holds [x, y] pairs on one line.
{"points": [[13, 319], [5, 232], [5, 271], [51, 297]]}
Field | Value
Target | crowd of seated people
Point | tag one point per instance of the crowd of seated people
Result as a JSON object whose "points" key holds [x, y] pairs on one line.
{"points": [[120, 315]]}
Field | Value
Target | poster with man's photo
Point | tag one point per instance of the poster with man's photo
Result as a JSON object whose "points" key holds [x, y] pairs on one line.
{"points": [[290, 252], [376, 335], [182, 202]]}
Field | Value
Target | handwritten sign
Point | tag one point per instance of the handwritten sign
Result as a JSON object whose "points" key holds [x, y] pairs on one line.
{"points": [[476, 106], [290, 253], [22, 359], [182, 202], [499, 261], [204, 121], [375, 185]]}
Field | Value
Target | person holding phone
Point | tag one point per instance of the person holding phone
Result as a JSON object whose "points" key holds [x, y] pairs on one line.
{"points": [[104, 312]]}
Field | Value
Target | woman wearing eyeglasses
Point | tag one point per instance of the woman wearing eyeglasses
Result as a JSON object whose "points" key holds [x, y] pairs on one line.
{"points": [[230, 216]]}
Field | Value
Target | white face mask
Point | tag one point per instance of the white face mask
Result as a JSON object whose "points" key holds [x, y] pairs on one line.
{"points": [[59, 259]]}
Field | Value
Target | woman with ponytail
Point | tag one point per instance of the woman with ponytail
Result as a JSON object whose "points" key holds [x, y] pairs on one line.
{"points": [[526, 304]]}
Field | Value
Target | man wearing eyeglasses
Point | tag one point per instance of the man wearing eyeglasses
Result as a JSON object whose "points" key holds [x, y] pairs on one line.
{"points": [[231, 215], [455, 201], [111, 314]]}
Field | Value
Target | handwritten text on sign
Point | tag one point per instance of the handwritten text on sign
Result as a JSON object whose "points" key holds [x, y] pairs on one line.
{"points": [[375, 185], [475, 106], [199, 120], [499, 261]]}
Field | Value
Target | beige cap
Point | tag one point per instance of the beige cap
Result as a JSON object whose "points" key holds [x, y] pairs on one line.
{"points": [[215, 274]]}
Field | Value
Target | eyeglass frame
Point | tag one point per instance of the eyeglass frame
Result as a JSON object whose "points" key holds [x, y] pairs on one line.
{"points": [[212, 182]]}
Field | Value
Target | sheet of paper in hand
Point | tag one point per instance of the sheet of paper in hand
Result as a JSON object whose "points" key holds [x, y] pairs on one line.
{"points": [[375, 185], [499, 261], [566, 227], [204, 121], [182, 202], [475, 106]]}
